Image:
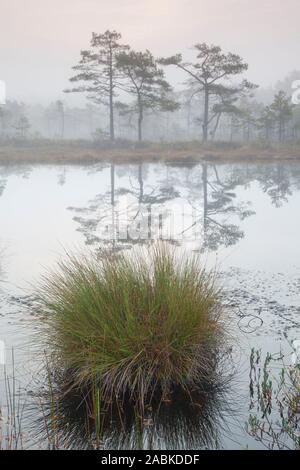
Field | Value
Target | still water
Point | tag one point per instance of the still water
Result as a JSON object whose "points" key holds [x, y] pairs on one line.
{"points": [[243, 219]]}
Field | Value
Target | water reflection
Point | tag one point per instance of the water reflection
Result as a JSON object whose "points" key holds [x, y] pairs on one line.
{"points": [[187, 420], [102, 221], [8, 171], [140, 203], [276, 183], [219, 201], [226, 205]]}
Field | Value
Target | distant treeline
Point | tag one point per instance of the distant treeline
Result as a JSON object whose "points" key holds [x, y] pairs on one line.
{"points": [[129, 97]]}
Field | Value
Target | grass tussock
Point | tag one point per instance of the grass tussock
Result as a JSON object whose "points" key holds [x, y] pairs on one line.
{"points": [[134, 324]]}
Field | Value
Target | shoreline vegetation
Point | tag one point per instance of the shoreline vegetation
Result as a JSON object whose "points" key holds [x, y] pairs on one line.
{"points": [[87, 152]]}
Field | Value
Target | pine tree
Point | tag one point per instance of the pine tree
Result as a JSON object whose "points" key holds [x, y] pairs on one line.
{"points": [[146, 82], [282, 111], [98, 72], [212, 68]]}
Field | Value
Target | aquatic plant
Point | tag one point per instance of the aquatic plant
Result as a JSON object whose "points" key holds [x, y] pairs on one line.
{"points": [[11, 411], [274, 420], [133, 325]]}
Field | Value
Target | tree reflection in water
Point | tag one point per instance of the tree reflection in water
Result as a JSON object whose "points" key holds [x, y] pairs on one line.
{"points": [[219, 204], [203, 189], [276, 183]]}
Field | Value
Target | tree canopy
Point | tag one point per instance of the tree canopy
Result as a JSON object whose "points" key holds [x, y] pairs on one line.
{"points": [[146, 82], [210, 72], [97, 71]]}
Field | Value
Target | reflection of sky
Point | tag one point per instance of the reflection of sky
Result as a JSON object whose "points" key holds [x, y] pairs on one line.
{"points": [[34, 221]]}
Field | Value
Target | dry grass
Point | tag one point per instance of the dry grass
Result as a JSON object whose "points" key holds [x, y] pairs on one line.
{"points": [[85, 152]]}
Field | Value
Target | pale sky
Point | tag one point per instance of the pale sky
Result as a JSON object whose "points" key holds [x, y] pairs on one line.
{"points": [[40, 40]]}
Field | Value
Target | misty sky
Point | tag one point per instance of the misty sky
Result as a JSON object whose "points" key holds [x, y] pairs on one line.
{"points": [[40, 40]]}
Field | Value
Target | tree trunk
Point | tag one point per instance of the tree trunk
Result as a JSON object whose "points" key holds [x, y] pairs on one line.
{"points": [[111, 114], [111, 101], [140, 120], [231, 128], [216, 126], [248, 132], [141, 183], [189, 111], [63, 125], [205, 201], [281, 130], [149, 222], [205, 116], [267, 129]]}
